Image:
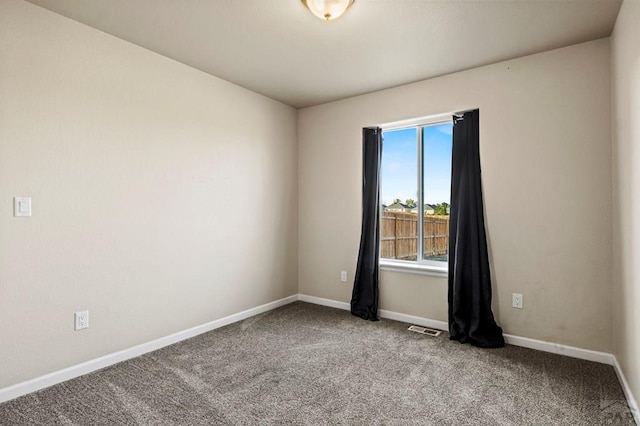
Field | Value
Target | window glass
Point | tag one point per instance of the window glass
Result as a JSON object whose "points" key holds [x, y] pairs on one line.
{"points": [[436, 187], [399, 193], [415, 182]]}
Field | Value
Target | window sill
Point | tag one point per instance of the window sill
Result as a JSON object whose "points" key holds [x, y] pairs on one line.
{"points": [[414, 268]]}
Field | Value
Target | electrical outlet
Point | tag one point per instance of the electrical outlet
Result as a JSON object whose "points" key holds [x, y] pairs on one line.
{"points": [[343, 276], [516, 300], [82, 320]]}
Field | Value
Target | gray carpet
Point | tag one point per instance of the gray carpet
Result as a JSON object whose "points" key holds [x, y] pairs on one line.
{"points": [[310, 365]]}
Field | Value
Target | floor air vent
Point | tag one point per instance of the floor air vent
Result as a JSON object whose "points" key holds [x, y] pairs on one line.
{"points": [[424, 330]]}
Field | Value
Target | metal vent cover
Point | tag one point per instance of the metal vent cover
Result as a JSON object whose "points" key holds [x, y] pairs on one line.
{"points": [[424, 330]]}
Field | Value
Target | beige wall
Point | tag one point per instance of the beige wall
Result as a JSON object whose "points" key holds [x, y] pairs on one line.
{"points": [[626, 184], [163, 198], [546, 157]]}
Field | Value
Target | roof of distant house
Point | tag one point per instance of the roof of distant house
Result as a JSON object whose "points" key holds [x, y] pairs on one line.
{"points": [[398, 206]]}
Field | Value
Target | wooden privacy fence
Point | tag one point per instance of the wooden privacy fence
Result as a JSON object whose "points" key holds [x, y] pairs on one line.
{"points": [[399, 238]]}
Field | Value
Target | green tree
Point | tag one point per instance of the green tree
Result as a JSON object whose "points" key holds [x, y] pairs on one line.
{"points": [[441, 209], [410, 202], [396, 200]]}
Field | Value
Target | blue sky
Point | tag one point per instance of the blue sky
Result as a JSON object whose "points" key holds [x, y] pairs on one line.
{"points": [[399, 170]]}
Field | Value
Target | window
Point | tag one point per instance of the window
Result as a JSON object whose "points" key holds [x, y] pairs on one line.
{"points": [[415, 185]]}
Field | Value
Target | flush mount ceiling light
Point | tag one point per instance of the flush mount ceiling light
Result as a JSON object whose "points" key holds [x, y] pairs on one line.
{"points": [[328, 9]]}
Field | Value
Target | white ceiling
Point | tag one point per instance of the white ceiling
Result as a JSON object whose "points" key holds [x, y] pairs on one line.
{"points": [[278, 48]]}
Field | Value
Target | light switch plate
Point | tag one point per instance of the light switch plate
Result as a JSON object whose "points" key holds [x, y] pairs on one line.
{"points": [[22, 206]]}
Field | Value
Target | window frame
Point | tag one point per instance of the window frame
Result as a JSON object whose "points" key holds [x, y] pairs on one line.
{"points": [[419, 266]]}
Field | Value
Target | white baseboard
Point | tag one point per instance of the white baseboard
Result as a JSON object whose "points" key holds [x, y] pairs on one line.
{"points": [[69, 373], [396, 316], [633, 405], [324, 302], [587, 354], [555, 348], [411, 319], [72, 372]]}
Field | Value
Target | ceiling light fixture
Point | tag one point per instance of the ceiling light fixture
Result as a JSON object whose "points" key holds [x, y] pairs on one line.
{"points": [[328, 10]]}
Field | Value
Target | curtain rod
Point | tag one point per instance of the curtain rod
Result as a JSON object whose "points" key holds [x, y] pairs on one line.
{"points": [[430, 119], [466, 110]]}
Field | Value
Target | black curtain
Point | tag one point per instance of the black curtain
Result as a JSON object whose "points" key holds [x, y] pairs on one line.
{"points": [[364, 299], [470, 316]]}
